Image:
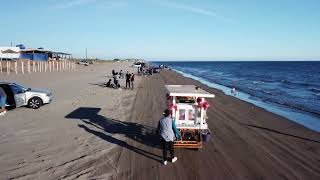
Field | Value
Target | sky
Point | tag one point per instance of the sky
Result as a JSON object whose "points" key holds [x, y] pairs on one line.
{"points": [[166, 29]]}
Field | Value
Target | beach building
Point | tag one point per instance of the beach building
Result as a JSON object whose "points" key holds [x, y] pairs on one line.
{"points": [[40, 54], [9, 53], [35, 54], [59, 56], [44, 55]]}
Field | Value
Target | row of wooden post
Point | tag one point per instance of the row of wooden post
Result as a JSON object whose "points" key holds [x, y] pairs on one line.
{"points": [[38, 66]]}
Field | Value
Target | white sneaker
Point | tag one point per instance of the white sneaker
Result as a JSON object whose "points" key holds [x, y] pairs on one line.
{"points": [[174, 159], [165, 163]]}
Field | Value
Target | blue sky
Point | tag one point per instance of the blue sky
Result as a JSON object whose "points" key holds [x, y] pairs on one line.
{"points": [[167, 30]]}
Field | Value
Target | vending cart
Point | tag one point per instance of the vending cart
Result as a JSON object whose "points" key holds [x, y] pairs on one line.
{"points": [[189, 111]]}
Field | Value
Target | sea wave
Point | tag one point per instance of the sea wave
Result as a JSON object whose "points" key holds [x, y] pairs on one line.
{"points": [[298, 83], [314, 89], [292, 112]]}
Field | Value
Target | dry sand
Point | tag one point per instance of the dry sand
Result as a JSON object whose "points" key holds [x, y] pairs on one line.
{"points": [[90, 132], [49, 143]]}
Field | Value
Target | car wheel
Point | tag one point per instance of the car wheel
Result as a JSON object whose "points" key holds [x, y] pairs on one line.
{"points": [[35, 103]]}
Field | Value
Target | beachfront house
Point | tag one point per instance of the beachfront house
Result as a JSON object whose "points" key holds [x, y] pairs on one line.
{"points": [[44, 55], [9, 53], [35, 54]]}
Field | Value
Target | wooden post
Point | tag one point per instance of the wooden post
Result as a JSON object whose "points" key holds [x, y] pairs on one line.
{"points": [[16, 67], [50, 63], [8, 67], [1, 65], [34, 66], [45, 66], [28, 66], [60, 65], [53, 65], [39, 64], [22, 67]]}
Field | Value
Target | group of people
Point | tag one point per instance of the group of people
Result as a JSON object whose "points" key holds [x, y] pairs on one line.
{"points": [[3, 99], [145, 70], [119, 75]]}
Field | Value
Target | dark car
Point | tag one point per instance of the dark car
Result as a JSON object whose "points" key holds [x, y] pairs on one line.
{"points": [[156, 70]]}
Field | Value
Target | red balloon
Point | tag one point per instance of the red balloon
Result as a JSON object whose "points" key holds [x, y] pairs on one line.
{"points": [[173, 106], [206, 105]]}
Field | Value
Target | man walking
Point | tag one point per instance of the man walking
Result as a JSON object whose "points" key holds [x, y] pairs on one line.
{"points": [[131, 80], [167, 136], [128, 79]]}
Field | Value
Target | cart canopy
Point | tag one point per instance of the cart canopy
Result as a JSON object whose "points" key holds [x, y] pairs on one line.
{"points": [[188, 90]]}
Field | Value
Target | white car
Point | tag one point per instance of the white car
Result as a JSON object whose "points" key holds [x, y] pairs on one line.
{"points": [[18, 96], [84, 63]]}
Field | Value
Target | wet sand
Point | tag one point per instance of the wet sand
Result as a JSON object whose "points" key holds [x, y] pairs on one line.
{"points": [[247, 143], [91, 132]]}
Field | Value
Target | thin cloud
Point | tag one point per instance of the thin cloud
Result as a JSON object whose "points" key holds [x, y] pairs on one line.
{"points": [[196, 10], [66, 4], [73, 3]]}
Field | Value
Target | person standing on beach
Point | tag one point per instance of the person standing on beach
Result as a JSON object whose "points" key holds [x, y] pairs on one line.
{"points": [[167, 136], [3, 99], [131, 80], [128, 79], [233, 91], [120, 75], [115, 81]]}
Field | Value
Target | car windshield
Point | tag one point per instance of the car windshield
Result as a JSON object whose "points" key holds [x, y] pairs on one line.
{"points": [[16, 88]]}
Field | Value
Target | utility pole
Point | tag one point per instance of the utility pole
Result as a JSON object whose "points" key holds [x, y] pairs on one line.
{"points": [[11, 44], [86, 54]]}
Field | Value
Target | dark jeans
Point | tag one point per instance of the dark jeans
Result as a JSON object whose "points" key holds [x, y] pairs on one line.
{"points": [[167, 145], [127, 83]]}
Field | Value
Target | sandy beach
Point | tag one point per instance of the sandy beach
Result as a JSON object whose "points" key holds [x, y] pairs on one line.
{"points": [[92, 132]]}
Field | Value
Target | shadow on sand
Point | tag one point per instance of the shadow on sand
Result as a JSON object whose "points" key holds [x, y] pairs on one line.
{"points": [[101, 84], [140, 133]]}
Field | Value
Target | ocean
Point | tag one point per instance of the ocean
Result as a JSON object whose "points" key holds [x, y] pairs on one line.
{"points": [[289, 89]]}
